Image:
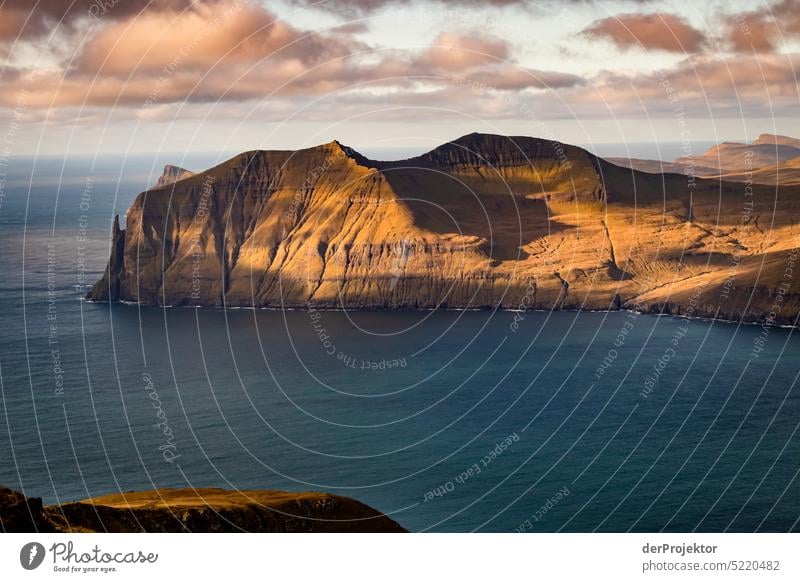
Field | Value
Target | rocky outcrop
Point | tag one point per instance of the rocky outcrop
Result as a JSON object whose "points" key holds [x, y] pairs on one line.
{"points": [[479, 222], [194, 510], [172, 174], [23, 514]]}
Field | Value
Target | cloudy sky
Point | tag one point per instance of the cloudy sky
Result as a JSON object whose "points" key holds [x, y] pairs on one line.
{"points": [[104, 76]]}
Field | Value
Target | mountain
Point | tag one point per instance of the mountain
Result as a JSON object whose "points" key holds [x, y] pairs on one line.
{"points": [[772, 139], [770, 159], [483, 221], [193, 510], [737, 156], [172, 174]]}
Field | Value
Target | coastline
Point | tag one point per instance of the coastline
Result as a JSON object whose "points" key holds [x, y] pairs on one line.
{"points": [[728, 321]]}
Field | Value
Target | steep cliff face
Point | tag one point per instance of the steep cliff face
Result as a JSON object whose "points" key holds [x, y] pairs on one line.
{"points": [[108, 287], [479, 222]]}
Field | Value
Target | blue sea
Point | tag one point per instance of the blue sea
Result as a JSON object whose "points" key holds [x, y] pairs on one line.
{"points": [[445, 420]]}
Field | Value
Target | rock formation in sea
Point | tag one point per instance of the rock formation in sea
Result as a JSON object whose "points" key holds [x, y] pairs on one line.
{"points": [[484, 221], [194, 510]]}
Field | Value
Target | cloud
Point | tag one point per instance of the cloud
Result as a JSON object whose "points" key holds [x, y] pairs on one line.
{"points": [[237, 51], [514, 78], [351, 28], [172, 59], [350, 7], [219, 49], [26, 18], [698, 87], [12, 22], [656, 31], [694, 89], [221, 34], [762, 31], [456, 52]]}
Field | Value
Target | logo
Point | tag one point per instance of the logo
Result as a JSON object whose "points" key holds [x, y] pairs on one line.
{"points": [[31, 555]]}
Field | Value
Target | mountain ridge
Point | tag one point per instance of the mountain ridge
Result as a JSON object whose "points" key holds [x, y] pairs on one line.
{"points": [[769, 159], [482, 221]]}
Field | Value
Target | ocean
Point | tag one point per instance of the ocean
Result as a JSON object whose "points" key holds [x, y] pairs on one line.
{"points": [[446, 421]]}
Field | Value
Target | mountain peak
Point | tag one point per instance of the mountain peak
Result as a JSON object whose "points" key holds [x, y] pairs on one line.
{"points": [[334, 145], [477, 149], [338, 149], [172, 174]]}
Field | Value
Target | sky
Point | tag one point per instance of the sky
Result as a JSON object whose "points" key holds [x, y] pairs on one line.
{"points": [[131, 76]]}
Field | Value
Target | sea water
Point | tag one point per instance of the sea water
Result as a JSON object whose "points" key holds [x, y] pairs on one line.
{"points": [[445, 420]]}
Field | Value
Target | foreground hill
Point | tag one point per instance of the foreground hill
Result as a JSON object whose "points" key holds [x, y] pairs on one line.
{"points": [[194, 510], [484, 221]]}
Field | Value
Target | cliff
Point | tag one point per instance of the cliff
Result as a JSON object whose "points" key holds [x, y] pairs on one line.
{"points": [[483, 221], [172, 174], [194, 510]]}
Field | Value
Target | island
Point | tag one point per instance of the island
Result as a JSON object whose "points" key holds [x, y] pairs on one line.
{"points": [[484, 221]]}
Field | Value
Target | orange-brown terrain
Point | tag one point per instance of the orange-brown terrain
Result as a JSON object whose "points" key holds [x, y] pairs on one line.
{"points": [[484, 221], [194, 510], [770, 159]]}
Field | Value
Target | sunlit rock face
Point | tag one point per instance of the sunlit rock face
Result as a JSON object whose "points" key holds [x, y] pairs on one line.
{"points": [[481, 222]]}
